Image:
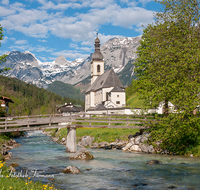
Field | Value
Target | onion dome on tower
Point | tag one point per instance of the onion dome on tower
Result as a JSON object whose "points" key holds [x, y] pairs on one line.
{"points": [[97, 55]]}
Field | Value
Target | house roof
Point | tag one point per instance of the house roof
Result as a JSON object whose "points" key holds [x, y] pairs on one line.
{"points": [[106, 80], [99, 107], [117, 89], [6, 99]]}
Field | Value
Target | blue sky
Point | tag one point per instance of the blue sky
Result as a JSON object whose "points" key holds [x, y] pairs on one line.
{"points": [[68, 27]]}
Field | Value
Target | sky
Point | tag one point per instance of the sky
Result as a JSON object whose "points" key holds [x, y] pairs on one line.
{"points": [[49, 29]]}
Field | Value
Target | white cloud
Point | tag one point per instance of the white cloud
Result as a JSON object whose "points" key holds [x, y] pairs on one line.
{"points": [[4, 11], [5, 2], [71, 54], [42, 40], [21, 42], [5, 39]]}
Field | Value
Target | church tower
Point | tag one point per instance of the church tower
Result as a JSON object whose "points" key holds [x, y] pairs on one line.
{"points": [[97, 63]]}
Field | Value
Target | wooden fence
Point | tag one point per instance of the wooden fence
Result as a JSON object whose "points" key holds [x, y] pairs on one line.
{"points": [[37, 122]]}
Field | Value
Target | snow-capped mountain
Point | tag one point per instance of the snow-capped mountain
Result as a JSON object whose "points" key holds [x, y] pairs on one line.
{"points": [[117, 53]]}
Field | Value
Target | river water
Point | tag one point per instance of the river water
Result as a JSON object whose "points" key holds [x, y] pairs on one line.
{"points": [[110, 169]]}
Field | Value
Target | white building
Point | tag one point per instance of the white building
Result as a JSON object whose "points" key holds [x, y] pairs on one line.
{"points": [[106, 90]]}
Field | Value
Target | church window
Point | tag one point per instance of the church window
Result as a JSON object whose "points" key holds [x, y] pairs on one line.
{"points": [[98, 68], [117, 102], [118, 96]]}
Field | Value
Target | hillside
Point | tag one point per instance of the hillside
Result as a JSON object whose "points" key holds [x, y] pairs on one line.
{"points": [[29, 99], [65, 90]]}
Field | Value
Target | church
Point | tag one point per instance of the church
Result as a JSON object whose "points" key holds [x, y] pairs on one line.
{"points": [[106, 91]]}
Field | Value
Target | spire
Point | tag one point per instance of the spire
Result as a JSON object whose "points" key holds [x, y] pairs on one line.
{"points": [[97, 43]]}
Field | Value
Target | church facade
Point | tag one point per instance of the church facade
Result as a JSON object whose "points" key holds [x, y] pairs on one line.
{"points": [[106, 90]]}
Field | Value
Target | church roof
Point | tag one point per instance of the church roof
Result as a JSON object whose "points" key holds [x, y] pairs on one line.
{"points": [[99, 107], [117, 89], [106, 80]]}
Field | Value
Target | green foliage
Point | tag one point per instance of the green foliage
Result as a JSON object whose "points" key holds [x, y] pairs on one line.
{"points": [[168, 57], [29, 99], [65, 90], [168, 68], [179, 133], [3, 57]]}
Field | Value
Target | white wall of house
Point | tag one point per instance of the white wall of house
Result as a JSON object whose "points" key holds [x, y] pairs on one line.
{"points": [[87, 101], [124, 111], [160, 108], [92, 99], [98, 97], [118, 98], [104, 91]]}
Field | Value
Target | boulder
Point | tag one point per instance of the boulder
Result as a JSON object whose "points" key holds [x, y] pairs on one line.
{"points": [[86, 141], [120, 145], [14, 164], [71, 170], [147, 148], [151, 149], [129, 145], [144, 138], [165, 152], [12, 169], [138, 139], [151, 162], [103, 144], [132, 140], [55, 139], [135, 148], [95, 145], [4, 152], [82, 154], [63, 141], [11, 142]]}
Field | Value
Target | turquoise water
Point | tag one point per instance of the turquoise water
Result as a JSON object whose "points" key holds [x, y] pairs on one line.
{"points": [[111, 169]]}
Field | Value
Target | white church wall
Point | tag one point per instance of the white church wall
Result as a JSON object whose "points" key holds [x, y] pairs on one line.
{"points": [[119, 98], [92, 99], [104, 91]]}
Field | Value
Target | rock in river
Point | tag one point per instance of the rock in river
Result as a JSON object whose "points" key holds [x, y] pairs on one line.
{"points": [[82, 154], [151, 162], [71, 170]]}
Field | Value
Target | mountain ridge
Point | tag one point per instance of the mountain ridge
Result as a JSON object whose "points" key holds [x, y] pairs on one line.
{"points": [[117, 52]]}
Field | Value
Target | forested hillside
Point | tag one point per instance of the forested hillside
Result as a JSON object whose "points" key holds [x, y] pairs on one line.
{"points": [[29, 99], [65, 90]]}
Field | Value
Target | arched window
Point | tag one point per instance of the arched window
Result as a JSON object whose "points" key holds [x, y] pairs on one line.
{"points": [[98, 68]]}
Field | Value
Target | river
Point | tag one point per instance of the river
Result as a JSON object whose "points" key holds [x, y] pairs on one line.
{"points": [[110, 169]]}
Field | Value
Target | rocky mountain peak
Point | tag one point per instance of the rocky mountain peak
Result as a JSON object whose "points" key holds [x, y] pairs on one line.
{"points": [[118, 53], [61, 60]]}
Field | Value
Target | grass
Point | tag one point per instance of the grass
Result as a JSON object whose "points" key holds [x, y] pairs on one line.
{"points": [[10, 181], [134, 101], [100, 134]]}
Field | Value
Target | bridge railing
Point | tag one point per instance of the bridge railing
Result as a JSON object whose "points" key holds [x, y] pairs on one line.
{"points": [[31, 122]]}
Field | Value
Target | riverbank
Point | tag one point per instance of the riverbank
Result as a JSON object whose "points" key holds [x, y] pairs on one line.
{"points": [[123, 139], [9, 178]]}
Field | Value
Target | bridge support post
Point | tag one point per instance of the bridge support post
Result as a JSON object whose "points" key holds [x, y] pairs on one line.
{"points": [[71, 139]]}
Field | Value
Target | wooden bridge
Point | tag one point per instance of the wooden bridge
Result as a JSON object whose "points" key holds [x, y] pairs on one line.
{"points": [[71, 121]]}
